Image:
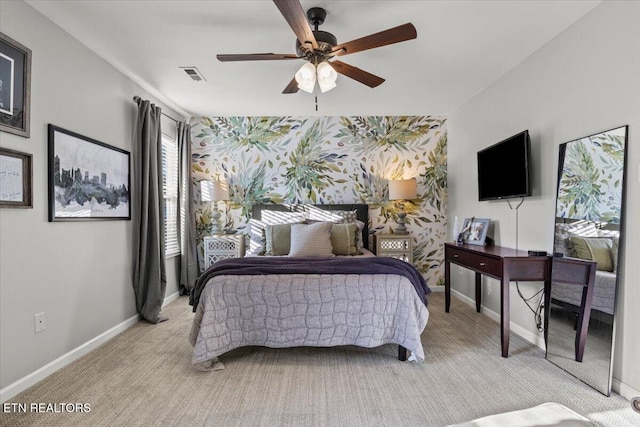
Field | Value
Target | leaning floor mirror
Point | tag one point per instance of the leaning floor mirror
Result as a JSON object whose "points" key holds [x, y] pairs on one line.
{"points": [[585, 270]]}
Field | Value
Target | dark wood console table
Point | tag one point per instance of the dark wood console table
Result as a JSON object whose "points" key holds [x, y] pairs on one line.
{"points": [[579, 272], [504, 264]]}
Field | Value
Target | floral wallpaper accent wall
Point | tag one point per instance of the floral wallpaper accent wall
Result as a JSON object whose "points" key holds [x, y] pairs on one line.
{"points": [[329, 160], [590, 187]]}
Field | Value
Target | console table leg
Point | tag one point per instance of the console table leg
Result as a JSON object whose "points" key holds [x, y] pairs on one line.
{"points": [[447, 286], [478, 292], [583, 321], [547, 310], [504, 314]]}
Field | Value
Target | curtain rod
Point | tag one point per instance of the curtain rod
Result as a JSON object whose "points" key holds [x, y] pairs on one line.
{"points": [[137, 98]]}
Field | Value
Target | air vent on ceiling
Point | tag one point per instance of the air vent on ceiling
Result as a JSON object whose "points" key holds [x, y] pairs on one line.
{"points": [[194, 73]]}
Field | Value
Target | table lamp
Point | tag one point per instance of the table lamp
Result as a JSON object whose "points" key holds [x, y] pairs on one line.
{"points": [[214, 191], [402, 189]]}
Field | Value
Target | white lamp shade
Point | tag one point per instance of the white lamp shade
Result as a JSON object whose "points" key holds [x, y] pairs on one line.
{"points": [[403, 189], [326, 76], [213, 191], [306, 77]]}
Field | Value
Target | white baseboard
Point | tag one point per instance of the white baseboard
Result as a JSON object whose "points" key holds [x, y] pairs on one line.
{"points": [[33, 378], [527, 335], [171, 298], [616, 385], [624, 390]]}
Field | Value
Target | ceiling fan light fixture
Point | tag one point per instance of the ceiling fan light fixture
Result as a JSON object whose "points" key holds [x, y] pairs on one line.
{"points": [[306, 77], [327, 76]]}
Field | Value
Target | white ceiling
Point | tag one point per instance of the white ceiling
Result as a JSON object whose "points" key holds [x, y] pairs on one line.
{"points": [[462, 47]]}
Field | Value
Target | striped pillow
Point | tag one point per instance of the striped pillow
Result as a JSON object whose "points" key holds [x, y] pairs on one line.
{"points": [[311, 240], [343, 239]]}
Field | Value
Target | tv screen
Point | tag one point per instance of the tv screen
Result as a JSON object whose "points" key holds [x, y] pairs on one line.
{"points": [[503, 169]]}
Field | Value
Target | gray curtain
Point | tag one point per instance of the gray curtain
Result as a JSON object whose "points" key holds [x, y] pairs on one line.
{"points": [[186, 209], [149, 277]]}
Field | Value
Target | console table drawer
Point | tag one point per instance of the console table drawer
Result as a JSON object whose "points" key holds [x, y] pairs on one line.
{"points": [[482, 264]]}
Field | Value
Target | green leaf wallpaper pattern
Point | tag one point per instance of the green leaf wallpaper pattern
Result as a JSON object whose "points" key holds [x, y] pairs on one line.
{"points": [[329, 160], [591, 181]]}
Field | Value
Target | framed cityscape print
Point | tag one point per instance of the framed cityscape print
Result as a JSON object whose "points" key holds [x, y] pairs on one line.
{"points": [[15, 86], [88, 179]]}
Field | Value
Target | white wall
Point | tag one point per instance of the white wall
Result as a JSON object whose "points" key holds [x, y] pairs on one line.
{"points": [[77, 273], [585, 80]]}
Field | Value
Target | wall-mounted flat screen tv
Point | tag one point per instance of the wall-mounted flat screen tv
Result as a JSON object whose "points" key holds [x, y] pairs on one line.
{"points": [[503, 169]]}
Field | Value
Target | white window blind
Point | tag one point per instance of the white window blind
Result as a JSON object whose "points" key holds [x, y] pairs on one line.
{"points": [[170, 193]]}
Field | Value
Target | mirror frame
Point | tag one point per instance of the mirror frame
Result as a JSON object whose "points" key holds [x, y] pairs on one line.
{"points": [[586, 267]]}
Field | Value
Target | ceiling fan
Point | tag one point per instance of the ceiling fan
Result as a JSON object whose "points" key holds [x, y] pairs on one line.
{"points": [[319, 47]]}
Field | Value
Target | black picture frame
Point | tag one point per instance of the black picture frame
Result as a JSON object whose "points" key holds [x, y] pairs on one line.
{"points": [[15, 89], [474, 231], [16, 179], [88, 179]]}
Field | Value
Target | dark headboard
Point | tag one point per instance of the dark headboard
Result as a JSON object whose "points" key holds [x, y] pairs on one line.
{"points": [[361, 209]]}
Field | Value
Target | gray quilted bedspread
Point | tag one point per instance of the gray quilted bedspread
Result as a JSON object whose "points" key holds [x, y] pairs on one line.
{"points": [[319, 310]]}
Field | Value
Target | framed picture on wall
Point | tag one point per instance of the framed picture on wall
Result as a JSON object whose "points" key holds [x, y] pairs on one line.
{"points": [[15, 179], [15, 86], [474, 230], [88, 179]]}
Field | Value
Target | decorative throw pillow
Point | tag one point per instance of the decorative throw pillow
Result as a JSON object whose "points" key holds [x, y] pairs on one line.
{"points": [[343, 239], [282, 217], [596, 249], [278, 239], [614, 252], [256, 237], [360, 236], [257, 228], [337, 217], [348, 217], [311, 240]]}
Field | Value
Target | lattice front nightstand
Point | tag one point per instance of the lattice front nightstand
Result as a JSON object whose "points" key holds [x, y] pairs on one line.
{"points": [[397, 246], [222, 246]]}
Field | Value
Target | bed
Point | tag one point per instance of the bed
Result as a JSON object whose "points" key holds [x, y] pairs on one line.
{"points": [[575, 240], [280, 301]]}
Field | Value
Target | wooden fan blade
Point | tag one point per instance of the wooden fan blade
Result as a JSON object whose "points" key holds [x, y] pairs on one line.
{"points": [[255, 57], [292, 87], [297, 19], [393, 35], [356, 73]]}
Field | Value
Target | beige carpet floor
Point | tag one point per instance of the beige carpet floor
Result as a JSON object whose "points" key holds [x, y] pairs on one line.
{"points": [[143, 377]]}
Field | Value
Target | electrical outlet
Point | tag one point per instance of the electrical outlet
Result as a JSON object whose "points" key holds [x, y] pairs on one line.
{"points": [[40, 322]]}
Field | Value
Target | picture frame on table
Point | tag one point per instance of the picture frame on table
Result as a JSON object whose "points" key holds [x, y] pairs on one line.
{"points": [[15, 87], [474, 231], [88, 179], [16, 179]]}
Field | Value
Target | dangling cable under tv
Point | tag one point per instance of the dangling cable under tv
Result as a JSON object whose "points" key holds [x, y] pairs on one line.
{"points": [[504, 169]]}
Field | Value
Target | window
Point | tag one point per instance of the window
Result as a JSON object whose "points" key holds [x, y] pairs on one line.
{"points": [[170, 194]]}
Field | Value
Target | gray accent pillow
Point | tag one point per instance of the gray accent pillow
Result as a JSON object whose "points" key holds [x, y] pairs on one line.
{"points": [[311, 240]]}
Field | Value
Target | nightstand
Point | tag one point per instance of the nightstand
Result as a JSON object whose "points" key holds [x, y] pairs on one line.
{"points": [[222, 246], [397, 246]]}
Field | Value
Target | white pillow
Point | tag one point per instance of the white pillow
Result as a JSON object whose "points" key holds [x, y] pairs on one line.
{"points": [[311, 240]]}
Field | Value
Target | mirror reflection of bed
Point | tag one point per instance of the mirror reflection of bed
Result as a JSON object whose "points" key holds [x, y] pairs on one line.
{"points": [[587, 237]]}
